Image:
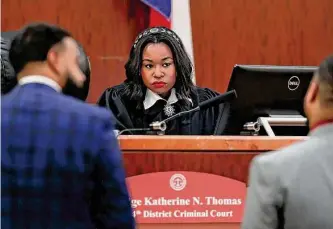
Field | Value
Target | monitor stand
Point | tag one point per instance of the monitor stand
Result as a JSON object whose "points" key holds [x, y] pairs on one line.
{"points": [[274, 119], [268, 122]]}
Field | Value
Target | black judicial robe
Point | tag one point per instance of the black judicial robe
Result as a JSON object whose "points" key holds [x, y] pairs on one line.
{"points": [[210, 121]]}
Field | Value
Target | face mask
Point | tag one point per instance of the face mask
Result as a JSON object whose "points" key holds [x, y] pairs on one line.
{"points": [[72, 90]]}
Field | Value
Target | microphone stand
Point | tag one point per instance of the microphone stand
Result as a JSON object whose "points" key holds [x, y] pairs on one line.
{"points": [[134, 129], [161, 125]]}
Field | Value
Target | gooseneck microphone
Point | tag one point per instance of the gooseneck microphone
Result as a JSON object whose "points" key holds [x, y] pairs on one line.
{"points": [[225, 97], [132, 130], [161, 126]]}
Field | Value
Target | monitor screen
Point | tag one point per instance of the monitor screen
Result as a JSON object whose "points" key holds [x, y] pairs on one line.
{"points": [[267, 90]]}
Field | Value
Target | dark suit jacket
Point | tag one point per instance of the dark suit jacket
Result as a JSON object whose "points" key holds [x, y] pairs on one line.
{"points": [[61, 164]]}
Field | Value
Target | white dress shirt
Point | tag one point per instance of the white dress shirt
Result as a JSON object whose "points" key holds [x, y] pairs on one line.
{"points": [[41, 80], [151, 98]]}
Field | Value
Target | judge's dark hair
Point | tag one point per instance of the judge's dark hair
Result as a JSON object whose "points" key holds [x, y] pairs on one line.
{"points": [[135, 87], [325, 78], [33, 43]]}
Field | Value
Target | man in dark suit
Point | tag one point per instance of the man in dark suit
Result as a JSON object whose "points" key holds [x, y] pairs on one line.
{"points": [[293, 187], [61, 164]]}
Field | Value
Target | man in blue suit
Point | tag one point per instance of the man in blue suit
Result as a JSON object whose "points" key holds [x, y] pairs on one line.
{"points": [[61, 163]]}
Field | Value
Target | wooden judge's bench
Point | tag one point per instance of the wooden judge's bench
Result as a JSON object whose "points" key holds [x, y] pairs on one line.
{"points": [[225, 156]]}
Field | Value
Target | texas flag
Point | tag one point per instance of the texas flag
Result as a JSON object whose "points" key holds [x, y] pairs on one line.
{"points": [[173, 14]]}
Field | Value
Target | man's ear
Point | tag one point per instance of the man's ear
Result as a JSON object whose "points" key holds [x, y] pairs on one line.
{"points": [[52, 60], [312, 93]]}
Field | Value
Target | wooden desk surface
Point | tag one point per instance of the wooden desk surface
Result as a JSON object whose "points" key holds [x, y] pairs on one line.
{"points": [[228, 156], [204, 143]]}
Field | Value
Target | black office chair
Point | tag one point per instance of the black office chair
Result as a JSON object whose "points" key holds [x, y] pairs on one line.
{"points": [[8, 75]]}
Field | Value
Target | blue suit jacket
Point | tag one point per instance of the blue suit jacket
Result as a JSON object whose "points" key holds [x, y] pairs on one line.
{"points": [[61, 164]]}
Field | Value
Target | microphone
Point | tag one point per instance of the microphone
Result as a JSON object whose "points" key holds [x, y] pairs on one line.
{"points": [[225, 97], [131, 130]]}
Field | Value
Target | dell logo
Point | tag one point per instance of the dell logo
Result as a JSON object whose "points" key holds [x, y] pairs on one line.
{"points": [[293, 83]]}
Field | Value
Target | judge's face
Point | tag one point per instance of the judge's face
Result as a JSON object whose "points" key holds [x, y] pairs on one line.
{"points": [[158, 70]]}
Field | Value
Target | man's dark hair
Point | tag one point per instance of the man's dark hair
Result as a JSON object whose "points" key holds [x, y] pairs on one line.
{"points": [[325, 78], [33, 44], [135, 87]]}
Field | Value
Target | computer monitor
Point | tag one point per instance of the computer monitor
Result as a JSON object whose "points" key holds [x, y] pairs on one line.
{"points": [[265, 91]]}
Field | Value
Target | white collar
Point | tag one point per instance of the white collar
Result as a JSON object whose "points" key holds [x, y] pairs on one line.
{"points": [[41, 80], [151, 98]]}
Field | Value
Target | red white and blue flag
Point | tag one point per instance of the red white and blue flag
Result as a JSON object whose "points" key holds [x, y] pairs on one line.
{"points": [[160, 12], [175, 15]]}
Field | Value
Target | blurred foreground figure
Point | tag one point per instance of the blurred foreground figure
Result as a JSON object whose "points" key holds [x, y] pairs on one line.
{"points": [[9, 78], [293, 187], [60, 163], [70, 88]]}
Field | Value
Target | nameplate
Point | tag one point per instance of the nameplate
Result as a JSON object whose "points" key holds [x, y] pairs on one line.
{"points": [[186, 197]]}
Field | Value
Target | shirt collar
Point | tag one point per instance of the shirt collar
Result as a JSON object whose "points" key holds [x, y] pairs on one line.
{"points": [[325, 130], [321, 123], [151, 98], [41, 80]]}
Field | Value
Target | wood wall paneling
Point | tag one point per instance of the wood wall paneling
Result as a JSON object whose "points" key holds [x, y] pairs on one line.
{"points": [[106, 29], [224, 156], [225, 33], [274, 32]]}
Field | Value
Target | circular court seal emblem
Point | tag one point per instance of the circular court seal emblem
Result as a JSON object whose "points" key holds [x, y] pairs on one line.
{"points": [[177, 182]]}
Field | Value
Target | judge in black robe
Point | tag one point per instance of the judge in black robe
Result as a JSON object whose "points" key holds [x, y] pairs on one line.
{"points": [[158, 85], [210, 121]]}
